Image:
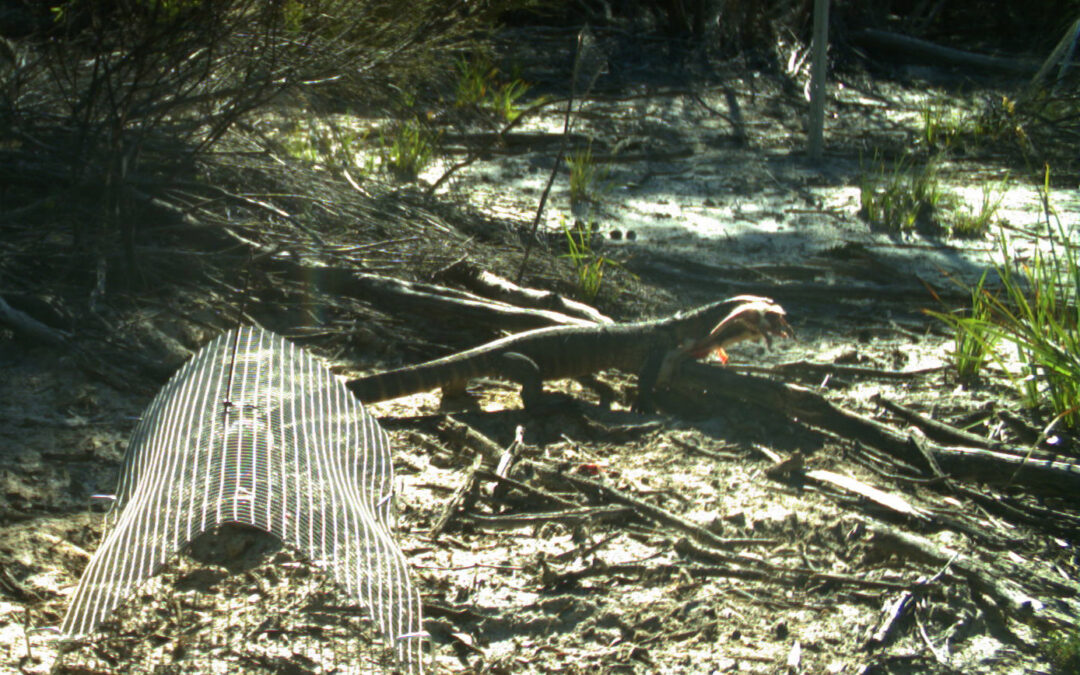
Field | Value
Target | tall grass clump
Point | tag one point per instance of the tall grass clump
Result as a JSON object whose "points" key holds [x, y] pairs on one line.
{"points": [[905, 197], [1037, 313]]}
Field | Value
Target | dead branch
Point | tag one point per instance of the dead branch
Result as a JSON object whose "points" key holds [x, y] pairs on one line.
{"points": [[938, 431], [826, 369], [493, 286], [433, 300], [934, 53], [28, 327], [810, 408], [428, 300], [34, 331], [643, 508], [880, 497], [460, 434], [510, 483], [570, 517], [1005, 592]]}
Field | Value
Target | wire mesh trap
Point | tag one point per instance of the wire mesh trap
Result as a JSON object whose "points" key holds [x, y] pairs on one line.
{"points": [[254, 431]]}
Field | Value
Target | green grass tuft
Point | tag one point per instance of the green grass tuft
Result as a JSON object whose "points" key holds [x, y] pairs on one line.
{"points": [[1037, 312], [973, 348], [479, 84], [902, 198], [940, 125], [505, 101], [588, 264], [976, 222], [408, 149], [588, 179], [906, 197]]}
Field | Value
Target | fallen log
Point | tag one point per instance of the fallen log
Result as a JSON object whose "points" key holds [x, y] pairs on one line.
{"points": [[430, 300], [1007, 593], [30, 328], [493, 286], [988, 466], [929, 52]]}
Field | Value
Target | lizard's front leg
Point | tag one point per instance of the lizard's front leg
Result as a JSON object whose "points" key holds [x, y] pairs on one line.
{"points": [[648, 377], [519, 368]]}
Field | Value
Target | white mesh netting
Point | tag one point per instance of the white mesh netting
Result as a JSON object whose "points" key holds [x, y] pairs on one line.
{"points": [[254, 430]]}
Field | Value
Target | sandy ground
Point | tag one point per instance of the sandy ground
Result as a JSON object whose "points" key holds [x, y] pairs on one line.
{"points": [[807, 583]]}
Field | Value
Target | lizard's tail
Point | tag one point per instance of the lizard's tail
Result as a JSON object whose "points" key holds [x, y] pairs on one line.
{"points": [[389, 384], [448, 373]]}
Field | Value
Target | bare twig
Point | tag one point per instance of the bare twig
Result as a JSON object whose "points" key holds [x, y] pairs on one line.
{"points": [[587, 66], [938, 431], [891, 614], [655, 513], [463, 496]]}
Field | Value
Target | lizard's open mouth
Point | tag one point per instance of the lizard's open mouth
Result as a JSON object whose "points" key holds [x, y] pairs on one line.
{"points": [[775, 325], [760, 319]]}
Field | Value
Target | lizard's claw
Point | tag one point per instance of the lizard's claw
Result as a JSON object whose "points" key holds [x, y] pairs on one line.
{"points": [[760, 318]]}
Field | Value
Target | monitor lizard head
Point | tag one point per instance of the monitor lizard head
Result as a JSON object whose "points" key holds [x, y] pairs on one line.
{"points": [[756, 318]]}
